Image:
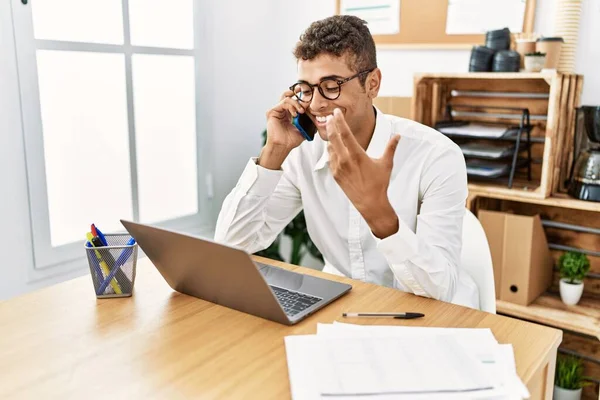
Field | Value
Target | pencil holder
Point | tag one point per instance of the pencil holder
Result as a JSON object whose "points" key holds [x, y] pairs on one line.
{"points": [[113, 266]]}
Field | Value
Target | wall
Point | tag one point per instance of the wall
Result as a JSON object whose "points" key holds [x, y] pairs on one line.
{"points": [[15, 232], [253, 51], [253, 65], [14, 219], [588, 52]]}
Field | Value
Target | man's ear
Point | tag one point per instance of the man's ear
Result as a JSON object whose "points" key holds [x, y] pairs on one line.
{"points": [[373, 83]]}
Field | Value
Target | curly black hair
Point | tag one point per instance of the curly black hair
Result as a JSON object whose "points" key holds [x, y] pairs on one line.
{"points": [[339, 35]]}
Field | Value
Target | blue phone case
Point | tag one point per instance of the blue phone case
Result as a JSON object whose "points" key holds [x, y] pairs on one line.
{"points": [[296, 123]]}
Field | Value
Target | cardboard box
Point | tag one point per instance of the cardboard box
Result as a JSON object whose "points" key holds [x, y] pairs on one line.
{"points": [[522, 262]]}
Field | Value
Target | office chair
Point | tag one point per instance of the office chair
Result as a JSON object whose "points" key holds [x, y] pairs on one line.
{"points": [[476, 259]]}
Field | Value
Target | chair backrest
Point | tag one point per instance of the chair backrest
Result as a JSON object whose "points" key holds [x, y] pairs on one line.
{"points": [[476, 259]]}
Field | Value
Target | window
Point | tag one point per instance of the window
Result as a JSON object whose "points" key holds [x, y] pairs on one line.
{"points": [[109, 93]]}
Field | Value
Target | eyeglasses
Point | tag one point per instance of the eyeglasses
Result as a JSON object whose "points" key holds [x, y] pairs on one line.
{"points": [[330, 88]]}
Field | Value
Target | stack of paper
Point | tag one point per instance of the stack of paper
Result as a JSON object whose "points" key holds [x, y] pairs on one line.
{"points": [[345, 361], [476, 130], [487, 150], [489, 169]]}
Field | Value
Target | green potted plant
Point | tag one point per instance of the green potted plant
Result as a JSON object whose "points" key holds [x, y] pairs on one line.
{"points": [[534, 62], [573, 267], [568, 378]]}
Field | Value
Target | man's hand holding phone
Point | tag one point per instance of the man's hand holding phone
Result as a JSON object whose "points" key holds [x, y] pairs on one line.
{"points": [[282, 135]]}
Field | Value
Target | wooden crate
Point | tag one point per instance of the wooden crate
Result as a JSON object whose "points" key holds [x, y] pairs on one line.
{"points": [[552, 106], [570, 99]]}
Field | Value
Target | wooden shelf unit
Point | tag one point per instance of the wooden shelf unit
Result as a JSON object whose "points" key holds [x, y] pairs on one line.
{"points": [[548, 76], [551, 98], [549, 309], [557, 200], [581, 323]]}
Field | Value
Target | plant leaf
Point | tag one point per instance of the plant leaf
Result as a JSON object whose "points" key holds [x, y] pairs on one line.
{"points": [[569, 372], [573, 265]]}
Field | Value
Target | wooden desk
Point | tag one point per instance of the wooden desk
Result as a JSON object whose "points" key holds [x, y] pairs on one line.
{"points": [[60, 342]]}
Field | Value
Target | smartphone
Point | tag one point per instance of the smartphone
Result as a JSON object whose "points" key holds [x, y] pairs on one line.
{"points": [[305, 125]]}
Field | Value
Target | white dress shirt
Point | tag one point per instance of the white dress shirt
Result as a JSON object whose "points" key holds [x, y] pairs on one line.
{"points": [[428, 190]]}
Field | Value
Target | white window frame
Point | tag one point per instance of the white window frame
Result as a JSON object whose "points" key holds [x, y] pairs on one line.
{"points": [[51, 261]]}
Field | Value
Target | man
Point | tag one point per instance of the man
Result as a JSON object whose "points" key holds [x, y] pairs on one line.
{"points": [[379, 209]]}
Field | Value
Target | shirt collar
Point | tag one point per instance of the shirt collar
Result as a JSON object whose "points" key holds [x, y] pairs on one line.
{"points": [[381, 135]]}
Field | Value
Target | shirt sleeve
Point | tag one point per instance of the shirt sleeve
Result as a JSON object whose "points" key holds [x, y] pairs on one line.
{"points": [[262, 203], [426, 261]]}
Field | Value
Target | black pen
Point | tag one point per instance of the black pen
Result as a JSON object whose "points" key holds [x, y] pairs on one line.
{"points": [[408, 315]]}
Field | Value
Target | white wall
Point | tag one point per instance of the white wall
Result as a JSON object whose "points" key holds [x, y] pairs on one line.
{"points": [[247, 62], [15, 242], [588, 52], [16, 256], [253, 66]]}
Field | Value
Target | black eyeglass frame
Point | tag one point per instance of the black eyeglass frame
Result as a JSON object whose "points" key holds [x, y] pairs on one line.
{"points": [[339, 82]]}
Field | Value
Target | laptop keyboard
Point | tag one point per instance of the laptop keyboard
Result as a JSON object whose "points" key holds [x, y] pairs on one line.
{"points": [[293, 302]]}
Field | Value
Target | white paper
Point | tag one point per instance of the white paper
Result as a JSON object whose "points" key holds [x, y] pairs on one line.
{"points": [[480, 341], [496, 361], [506, 365], [486, 150], [486, 168], [479, 16], [476, 130], [382, 16], [388, 365], [302, 370]]}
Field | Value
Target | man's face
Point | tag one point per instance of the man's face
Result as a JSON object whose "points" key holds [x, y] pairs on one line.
{"points": [[354, 100]]}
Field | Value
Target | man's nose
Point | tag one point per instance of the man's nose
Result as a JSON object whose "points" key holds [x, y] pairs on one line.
{"points": [[318, 102]]}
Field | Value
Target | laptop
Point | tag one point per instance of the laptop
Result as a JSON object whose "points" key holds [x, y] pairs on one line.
{"points": [[227, 276]]}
